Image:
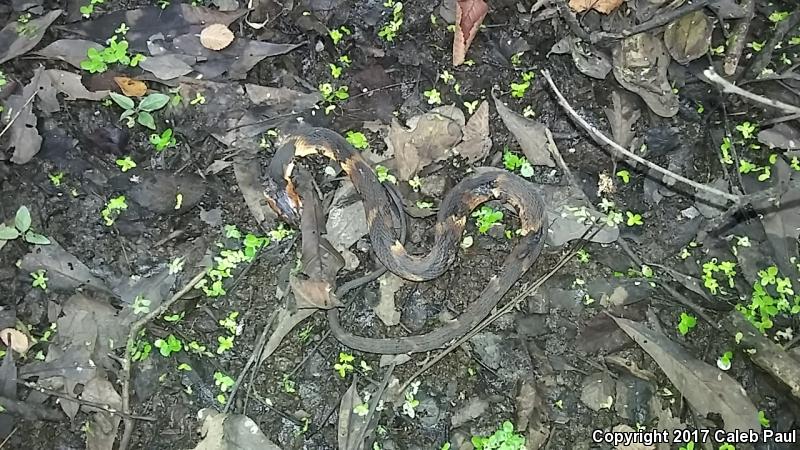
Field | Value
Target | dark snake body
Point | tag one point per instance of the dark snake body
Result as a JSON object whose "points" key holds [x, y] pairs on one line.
{"points": [[489, 184]]}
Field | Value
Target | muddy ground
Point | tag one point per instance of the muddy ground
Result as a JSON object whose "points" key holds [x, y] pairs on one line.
{"points": [[557, 366]]}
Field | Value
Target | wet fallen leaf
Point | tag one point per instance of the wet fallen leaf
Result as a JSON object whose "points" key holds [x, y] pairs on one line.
{"points": [[350, 423], [474, 407], [71, 51], [16, 339], [286, 321], [157, 190], [388, 285], [70, 85], [17, 38], [216, 36], [783, 135], [230, 432], [529, 134], [640, 66], [166, 67], [706, 388], [131, 87], [281, 99], [781, 220], [568, 207], [603, 6], [429, 138], [469, 16], [476, 141], [622, 115], [102, 429], [8, 389], [532, 415], [689, 37], [23, 137]]}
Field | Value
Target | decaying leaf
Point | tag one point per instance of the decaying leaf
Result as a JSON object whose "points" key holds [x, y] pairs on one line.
{"points": [[706, 388], [622, 115], [603, 6], [18, 38], [783, 135], [23, 135], [350, 423], [469, 16], [131, 87], [781, 220], [689, 37], [640, 66], [102, 430], [476, 141], [16, 339], [166, 67], [71, 51], [530, 135], [216, 36], [230, 432], [429, 138]]}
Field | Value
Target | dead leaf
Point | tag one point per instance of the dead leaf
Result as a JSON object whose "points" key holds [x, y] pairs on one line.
{"points": [[16, 339], [71, 86], [350, 423], [781, 220], [281, 98], [286, 321], [231, 432], [388, 285], [622, 116], [689, 37], [783, 135], [102, 431], [216, 36], [429, 138], [166, 67], [17, 38], [71, 51], [474, 407], [640, 66], [23, 135], [532, 415], [469, 16], [602, 6], [8, 389], [131, 87], [529, 134], [476, 141], [706, 388]]}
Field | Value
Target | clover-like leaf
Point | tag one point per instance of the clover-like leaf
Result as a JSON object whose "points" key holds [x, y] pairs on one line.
{"points": [[124, 102], [23, 219], [8, 233], [146, 119], [36, 238], [153, 102]]}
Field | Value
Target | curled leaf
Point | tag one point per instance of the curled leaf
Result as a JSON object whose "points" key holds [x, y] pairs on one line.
{"points": [[131, 87], [469, 16]]}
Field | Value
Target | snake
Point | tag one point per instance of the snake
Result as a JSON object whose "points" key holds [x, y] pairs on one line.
{"points": [[485, 184]]}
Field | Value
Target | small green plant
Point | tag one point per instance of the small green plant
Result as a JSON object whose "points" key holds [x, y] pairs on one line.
{"points": [[389, 31], [486, 218], [56, 178], [447, 77], [3, 80], [97, 61], [686, 323], [224, 382], [688, 446], [344, 366], [727, 446], [518, 89], [141, 305], [724, 361], [163, 140], [225, 344], [583, 256], [512, 162], [337, 34], [711, 268], [384, 175], [747, 130], [39, 279], [113, 208], [174, 318], [332, 96], [625, 176], [199, 99], [169, 346], [147, 105], [305, 334], [725, 150], [141, 348], [471, 106], [410, 403], [778, 16], [762, 418], [772, 295], [357, 139], [434, 96], [633, 219], [23, 25], [502, 439], [415, 183], [22, 228], [125, 164], [88, 9], [336, 71], [229, 322]]}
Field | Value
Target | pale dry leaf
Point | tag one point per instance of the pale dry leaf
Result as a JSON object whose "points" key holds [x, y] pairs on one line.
{"points": [[477, 141], [469, 16], [131, 87], [529, 134], [216, 36], [15, 339], [602, 6]]}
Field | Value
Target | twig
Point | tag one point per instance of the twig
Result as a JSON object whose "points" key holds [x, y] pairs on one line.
{"points": [[730, 88], [505, 309], [598, 135], [738, 38], [16, 116], [81, 401], [2, 444], [125, 376], [382, 88]]}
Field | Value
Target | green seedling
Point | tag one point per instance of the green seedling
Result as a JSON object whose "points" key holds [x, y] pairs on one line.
{"points": [[424, 205], [434, 96], [410, 403], [338, 34], [345, 60], [762, 418], [747, 130], [141, 349], [778, 16], [225, 344], [163, 4], [516, 59], [711, 268], [502, 439], [583, 256], [113, 209], [384, 175], [22, 228], [229, 322], [357, 139], [125, 164], [23, 27], [87, 10], [56, 178], [725, 150], [97, 61], [199, 99], [686, 323], [176, 266], [361, 409], [512, 162], [625, 176], [336, 71], [147, 105], [141, 305], [288, 385], [224, 382], [169, 346], [688, 446], [717, 51], [389, 31], [724, 361], [183, 367], [471, 106], [174, 318], [727, 446], [163, 140], [486, 218], [305, 334], [198, 348], [447, 77], [3, 80], [333, 96], [39, 279], [518, 90], [756, 46], [633, 219], [344, 366]]}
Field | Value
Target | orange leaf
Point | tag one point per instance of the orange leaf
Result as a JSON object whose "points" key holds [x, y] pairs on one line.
{"points": [[131, 87], [469, 16], [603, 6], [216, 36]]}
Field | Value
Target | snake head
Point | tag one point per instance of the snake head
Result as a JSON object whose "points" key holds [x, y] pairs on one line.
{"points": [[284, 201]]}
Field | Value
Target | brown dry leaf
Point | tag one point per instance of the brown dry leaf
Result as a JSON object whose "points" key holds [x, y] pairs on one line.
{"points": [[469, 16], [603, 6], [131, 87], [216, 36], [19, 342]]}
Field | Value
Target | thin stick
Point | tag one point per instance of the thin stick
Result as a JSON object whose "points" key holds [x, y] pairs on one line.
{"points": [[730, 88], [598, 135], [125, 376], [103, 406], [16, 116], [2, 444]]}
